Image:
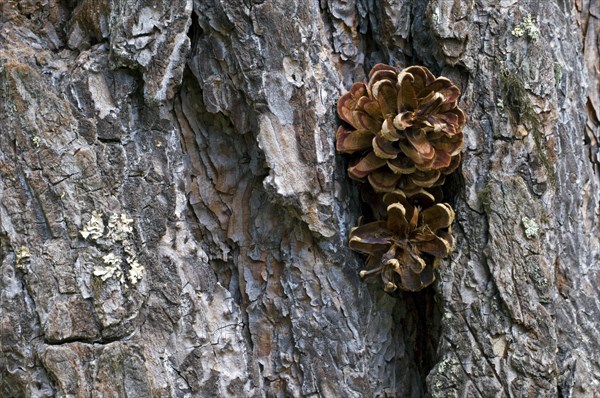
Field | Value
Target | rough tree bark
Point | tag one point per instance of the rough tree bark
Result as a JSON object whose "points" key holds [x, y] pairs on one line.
{"points": [[210, 124]]}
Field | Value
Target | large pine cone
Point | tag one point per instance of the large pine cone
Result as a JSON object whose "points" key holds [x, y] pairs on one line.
{"points": [[407, 126]]}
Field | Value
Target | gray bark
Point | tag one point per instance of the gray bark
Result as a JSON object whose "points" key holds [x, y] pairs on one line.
{"points": [[211, 125]]}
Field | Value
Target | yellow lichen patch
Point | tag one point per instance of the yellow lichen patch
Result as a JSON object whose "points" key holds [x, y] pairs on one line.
{"points": [[527, 27], [530, 226], [23, 255]]}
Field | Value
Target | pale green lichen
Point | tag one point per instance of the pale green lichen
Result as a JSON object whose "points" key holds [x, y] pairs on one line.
{"points": [[500, 104], [22, 256], [136, 270], [112, 266], [93, 229], [116, 233], [558, 71], [531, 227], [518, 31], [119, 227], [527, 27], [36, 141], [447, 364]]}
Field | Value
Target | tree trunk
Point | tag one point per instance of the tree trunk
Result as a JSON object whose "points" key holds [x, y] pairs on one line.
{"points": [[206, 129]]}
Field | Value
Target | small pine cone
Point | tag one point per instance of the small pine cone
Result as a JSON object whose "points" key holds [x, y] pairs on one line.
{"points": [[406, 248]]}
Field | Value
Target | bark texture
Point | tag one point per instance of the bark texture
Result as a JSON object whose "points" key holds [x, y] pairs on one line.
{"points": [[210, 124]]}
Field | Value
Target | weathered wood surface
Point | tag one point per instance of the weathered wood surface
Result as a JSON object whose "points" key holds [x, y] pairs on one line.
{"points": [[211, 125]]}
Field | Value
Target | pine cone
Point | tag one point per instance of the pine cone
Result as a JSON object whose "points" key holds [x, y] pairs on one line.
{"points": [[406, 248], [407, 125]]}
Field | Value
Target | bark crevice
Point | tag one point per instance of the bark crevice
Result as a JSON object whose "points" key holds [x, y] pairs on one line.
{"points": [[211, 125]]}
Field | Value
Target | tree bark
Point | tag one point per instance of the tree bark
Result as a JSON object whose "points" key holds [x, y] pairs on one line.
{"points": [[210, 124]]}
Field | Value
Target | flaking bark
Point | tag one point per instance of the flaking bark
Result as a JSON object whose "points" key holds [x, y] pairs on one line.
{"points": [[211, 124]]}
